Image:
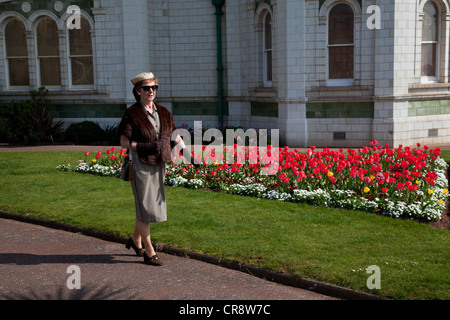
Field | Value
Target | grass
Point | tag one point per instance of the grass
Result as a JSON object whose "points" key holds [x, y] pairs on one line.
{"points": [[326, 244], [445, 154]]}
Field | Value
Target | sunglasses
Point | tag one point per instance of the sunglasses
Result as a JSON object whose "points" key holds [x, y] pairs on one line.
{"points": [[147, 88]]}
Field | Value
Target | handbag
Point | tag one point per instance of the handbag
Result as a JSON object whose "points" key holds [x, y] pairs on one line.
{"points": [[126, 172]]}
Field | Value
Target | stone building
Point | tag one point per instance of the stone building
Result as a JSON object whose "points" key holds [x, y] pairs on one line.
{"points": [[329, 73]]}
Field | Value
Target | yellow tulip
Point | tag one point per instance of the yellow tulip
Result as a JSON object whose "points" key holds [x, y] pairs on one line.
{"points": [[366, 190]]}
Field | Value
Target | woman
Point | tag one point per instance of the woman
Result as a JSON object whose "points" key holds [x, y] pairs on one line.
{"points": [[146, 130]]}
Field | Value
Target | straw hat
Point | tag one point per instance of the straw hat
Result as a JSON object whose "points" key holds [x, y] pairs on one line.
{"points": [[142, 76]]}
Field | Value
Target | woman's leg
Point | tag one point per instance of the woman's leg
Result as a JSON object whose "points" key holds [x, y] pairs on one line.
{"points": [[142, 233], [137, 239]]}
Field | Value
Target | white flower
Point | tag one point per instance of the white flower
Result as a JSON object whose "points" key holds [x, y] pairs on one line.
{"points": [[194, 183]]}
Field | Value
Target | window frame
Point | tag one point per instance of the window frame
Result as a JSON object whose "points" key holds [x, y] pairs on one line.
{"points": [[340, 81], [436, 57], [32, 26], [7, 58], [267, 51], [70, 56], [38, 57]]}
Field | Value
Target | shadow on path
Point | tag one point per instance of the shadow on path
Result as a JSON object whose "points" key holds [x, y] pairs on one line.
{"points": [[34, 259]]}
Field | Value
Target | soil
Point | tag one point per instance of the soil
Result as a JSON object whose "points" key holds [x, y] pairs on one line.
{"points": [[444, 223]]}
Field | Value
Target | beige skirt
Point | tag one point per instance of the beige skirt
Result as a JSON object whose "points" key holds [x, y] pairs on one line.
{"points": [[148, 190]]}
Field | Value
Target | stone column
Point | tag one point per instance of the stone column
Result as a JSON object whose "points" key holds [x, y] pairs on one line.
{"points": [[394, 70], [289, 48], [136, 39]]}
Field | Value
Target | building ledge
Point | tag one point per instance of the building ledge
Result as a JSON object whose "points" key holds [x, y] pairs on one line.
{"points": [[340, 88], [263, 92], [341, 93], [429, 90], [54, 93], [436, 85]]}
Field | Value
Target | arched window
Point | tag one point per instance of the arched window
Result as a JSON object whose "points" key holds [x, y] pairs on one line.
{"points": [[430, 41], [341, 42], [80, 56], [17, 54], [267, 49], [48, 54]]}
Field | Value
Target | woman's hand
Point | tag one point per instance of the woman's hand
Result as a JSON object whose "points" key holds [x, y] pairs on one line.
{"points": [[124, 142], [148, 148]]}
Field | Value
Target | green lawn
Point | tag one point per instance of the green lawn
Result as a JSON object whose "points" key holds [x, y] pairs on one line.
{"points": [[330, 245], [445, 154]]}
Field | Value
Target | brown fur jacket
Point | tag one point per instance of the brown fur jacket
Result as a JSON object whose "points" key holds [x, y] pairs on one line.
{"points": [[136, 126]]}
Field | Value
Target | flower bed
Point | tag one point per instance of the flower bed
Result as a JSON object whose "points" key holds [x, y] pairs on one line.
{"points": [[99, 164], [396, 182]]}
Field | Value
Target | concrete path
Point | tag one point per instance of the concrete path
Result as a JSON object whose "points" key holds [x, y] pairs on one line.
{"points": [[40, 263]]}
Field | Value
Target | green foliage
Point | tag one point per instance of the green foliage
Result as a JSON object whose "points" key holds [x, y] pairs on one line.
{"points": [[89, 133], [29, 122], [86, 132], [112, 136]]}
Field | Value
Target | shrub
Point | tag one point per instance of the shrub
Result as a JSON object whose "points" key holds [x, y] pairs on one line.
{"points": [[29, 121], [112, 136], [86, 132]]}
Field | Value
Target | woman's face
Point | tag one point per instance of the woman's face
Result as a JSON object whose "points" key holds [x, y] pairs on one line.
{"points": [[147, 91]]}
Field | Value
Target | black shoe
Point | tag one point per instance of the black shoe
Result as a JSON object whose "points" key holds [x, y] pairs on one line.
{"points": [[130, 244], [154, 260]]}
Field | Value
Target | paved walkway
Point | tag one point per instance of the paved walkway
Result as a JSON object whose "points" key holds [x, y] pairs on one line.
{"points": [[35, 262]]}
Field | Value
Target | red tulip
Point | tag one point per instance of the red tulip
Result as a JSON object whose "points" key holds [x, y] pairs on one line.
{"points": [[400, 186]]}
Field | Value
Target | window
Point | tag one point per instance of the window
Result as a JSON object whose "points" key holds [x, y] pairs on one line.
{"points": [[341, 43], [267, 50], [17, 55], [48, 54], [430, 42], [80, 56]]}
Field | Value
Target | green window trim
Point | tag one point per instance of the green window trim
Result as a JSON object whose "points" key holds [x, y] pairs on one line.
{"points": [[193, 108], [264, 109], [79, 111], [340, 110]]}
